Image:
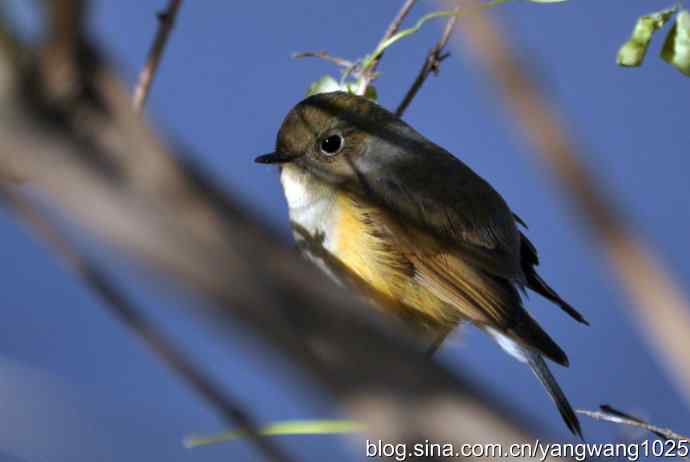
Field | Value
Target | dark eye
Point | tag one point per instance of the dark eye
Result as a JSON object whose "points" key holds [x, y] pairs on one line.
{"points": [[332, 144]]}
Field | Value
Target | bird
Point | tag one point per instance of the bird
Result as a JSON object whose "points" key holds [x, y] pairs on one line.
{"points": [[378, 206]]}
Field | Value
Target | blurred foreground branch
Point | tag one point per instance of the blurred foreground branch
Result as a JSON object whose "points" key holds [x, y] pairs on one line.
{"points": [[131, 316], [662, 310], [95, 160]]}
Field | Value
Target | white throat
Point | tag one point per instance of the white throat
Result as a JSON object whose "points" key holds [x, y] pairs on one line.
{"points": [[310, 202]]}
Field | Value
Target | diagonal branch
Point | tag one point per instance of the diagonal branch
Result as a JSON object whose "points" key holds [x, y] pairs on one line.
{"points": [[393, 27], [124, 309], [171, 218], [166, 21], [610, 414], [324, 55], [431, 64]]}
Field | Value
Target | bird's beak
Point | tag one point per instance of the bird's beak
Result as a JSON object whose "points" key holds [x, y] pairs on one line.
{"points": [[273, 158]]}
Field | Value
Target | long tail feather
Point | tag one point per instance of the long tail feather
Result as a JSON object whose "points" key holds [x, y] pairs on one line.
{"points": [[541, 370]]}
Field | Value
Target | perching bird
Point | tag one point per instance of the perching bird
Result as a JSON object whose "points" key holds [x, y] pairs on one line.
{"points": [[414, 227]]}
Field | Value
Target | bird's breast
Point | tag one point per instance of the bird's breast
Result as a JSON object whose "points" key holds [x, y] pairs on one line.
{"points": [[311, 205], [346, 238]]}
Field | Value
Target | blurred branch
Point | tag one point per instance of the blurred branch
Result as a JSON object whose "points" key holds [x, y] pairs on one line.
{"points": [[9, 44], [431, 64], [124, 309], [610, 414], [66, 23], [94, 159], [166, 21], [662, 310], [64, 48]]}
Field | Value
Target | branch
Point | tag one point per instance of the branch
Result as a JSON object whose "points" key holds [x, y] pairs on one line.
{"points": [[324, 55], [66, 23], [393, 27], [98, 163], [661, 308], [610, 414], [166, 21], [431, 64], [63, 48], [126, 312]]}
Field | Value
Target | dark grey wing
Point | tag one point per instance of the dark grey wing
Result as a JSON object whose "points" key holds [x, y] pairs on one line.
{"points": [[429, 188], [530, 260]]}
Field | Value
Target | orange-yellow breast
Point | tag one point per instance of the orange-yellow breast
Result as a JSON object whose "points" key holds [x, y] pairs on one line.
{"points": [[364, 241]]}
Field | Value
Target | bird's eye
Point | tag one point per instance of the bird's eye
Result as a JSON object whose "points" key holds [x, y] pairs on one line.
{"points": [[332, 145]]}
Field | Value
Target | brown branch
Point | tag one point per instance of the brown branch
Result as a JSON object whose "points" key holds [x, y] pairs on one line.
{"points": [[9, 42], [393, 27], [324, 55], [63, 47], [431, 64], [661, 308], [610, 414], [66, 23], [166, 21], [126, 312], [397, 21], [97, 162]]}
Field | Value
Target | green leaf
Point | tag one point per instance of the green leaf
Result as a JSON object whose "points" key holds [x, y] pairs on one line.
{"points": [[676, 48], [633, 51], [290, 427], [325, 84]]}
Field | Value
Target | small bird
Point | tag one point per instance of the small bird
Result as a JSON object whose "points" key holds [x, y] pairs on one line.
{"points": [[377, 205]]}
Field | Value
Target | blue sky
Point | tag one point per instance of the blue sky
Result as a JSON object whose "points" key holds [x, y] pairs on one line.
{"points": [[77, 387]]}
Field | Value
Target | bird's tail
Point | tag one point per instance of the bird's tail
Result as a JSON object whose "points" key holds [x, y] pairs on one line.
{"points": [[541, 370]]}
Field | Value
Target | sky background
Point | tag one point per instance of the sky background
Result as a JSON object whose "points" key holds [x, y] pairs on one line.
{"points": [[74, 385]]}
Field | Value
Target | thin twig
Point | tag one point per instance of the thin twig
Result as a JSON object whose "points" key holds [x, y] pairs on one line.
{"points": [[662, 309], [324, 55], [610, 414], [398, 20], [166, 21], [431, 64], [124, 309], [390, 31]]}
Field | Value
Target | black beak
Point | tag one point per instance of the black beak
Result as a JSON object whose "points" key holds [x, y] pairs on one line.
{"points": [[273, 158]]}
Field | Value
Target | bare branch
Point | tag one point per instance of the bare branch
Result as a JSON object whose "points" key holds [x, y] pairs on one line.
{"points": [[107, 171], [661, 308], [393, 27], [610, 414], [166, 21], [395, 24], [431, 64], [125, 310], [324, 55]]}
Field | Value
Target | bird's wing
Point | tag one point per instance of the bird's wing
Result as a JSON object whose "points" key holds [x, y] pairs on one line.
{"points": [[483, 298], [441, 196], [462, 239]]}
